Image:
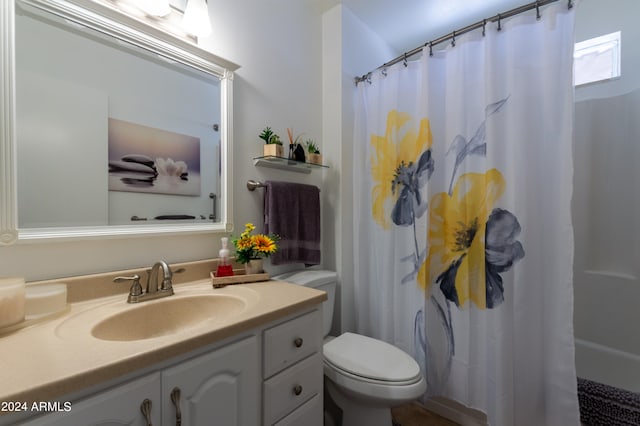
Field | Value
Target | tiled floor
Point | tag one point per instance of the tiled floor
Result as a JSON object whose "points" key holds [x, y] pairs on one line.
{"points": [[415, 415]]}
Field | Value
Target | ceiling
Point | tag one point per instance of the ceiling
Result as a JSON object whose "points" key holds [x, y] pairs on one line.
{"points": [[406, 24]]}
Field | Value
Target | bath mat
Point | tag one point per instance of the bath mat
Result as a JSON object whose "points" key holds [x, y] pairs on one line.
{"points": [[605, 405]]}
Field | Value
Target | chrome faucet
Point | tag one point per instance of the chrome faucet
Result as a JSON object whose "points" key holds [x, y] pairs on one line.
{"points": [[153, 291], [152, 279]]}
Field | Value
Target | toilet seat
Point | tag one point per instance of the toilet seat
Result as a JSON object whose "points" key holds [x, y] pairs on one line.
{"points": [[338, 370], [386, 373], [370, 359]]}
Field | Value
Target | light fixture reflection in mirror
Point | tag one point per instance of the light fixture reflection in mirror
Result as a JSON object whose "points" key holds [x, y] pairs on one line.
{"points": [[64, 138]]}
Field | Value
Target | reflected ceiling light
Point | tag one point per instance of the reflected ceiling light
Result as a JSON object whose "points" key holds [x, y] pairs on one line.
{"points": [[196, 18], [154, 7]]}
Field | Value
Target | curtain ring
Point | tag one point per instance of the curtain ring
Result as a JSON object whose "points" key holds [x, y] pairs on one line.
{"points": [[538, 10], [384, 72], [499, 22], [453, 39], [430, 48], [484, 27], [405, 59], [570, 5]]}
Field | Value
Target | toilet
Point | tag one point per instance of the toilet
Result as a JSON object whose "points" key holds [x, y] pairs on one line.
{"points": [[364, 377]]}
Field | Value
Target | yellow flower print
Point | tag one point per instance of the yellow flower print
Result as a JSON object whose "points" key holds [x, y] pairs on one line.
{"points": [[456, 238], [401, 152]]}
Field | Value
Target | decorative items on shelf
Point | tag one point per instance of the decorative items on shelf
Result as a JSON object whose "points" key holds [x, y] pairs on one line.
{"points": [[299, 151], [296, 151], [272, 143], [251, 249], [314, 152]]}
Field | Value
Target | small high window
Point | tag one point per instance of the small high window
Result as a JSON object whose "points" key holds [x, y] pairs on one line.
{"points": [[597, 59]]}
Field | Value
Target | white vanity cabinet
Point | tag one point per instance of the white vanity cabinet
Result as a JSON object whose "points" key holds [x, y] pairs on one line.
{"points": [[268, 375], [292, 369], [118, 406], [221, 387]]}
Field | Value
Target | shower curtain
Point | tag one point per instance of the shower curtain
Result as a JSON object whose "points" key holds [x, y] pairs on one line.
{"points": [[462, 226]]}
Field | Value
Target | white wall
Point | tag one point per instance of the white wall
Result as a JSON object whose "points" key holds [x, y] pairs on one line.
{"points": [[350, 49], [278, 46]]}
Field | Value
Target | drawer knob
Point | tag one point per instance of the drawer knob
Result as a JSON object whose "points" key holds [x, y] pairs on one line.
{"points": [[298, 342], [297, 390]]}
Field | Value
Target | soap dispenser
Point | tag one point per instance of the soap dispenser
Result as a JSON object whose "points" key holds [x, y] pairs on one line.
{"points": [[224, 265]]}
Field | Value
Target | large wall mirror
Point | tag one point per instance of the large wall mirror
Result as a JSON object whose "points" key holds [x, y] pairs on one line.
{"points": [[115, 128]]}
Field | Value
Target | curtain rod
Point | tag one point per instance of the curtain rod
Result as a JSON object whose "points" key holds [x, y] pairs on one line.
{"points": [[452, 35]]}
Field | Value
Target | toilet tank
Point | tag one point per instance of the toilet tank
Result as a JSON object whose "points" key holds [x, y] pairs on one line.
{"points": [[319, 279]]}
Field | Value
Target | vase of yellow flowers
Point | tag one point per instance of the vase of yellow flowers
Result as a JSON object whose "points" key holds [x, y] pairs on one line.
{"points": [[251, 249]]}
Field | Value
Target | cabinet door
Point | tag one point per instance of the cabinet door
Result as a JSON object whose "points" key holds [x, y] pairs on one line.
{"points": [[221, 387], [115, 407]]}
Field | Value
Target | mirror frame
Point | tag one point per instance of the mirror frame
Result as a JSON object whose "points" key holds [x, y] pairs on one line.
{"points": [[111, 21]]}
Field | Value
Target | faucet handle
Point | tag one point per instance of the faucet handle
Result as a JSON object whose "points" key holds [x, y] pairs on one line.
{"points": [[136, 288]]}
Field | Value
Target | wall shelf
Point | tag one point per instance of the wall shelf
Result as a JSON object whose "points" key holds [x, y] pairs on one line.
{"points": [[286, 164]]}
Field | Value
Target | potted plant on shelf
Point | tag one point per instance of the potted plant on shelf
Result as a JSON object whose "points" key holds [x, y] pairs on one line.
{"points": [[272, 143], [251, 249], [314, 153]]}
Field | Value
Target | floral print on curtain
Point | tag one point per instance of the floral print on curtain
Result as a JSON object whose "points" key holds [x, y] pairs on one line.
{"points": [[401, 165], [470, 239]]}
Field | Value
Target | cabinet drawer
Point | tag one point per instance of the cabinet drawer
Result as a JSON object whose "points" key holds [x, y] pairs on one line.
{"points": [[309, 414], [287, 343], [288, 390]]}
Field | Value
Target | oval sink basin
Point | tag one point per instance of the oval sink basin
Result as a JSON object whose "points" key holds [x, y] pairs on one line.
{"points": [[167, 316]]}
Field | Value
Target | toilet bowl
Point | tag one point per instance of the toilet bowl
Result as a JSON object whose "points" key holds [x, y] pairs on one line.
{"points": [[364, 377]]}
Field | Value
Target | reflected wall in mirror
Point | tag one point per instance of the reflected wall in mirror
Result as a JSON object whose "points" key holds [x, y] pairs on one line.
{"points": [[119, 128]]}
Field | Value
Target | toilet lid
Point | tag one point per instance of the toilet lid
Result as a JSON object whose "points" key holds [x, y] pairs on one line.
{"points": [[370, 358]]}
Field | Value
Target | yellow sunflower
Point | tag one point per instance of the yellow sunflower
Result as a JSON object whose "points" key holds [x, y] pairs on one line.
{"points": [[244, 243], [248, 228], [254, 246], [264, 244], [456, 237], [399, 146]]}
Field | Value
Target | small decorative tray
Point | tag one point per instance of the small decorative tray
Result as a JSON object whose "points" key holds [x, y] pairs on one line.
{"points": [[239, 277]]}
